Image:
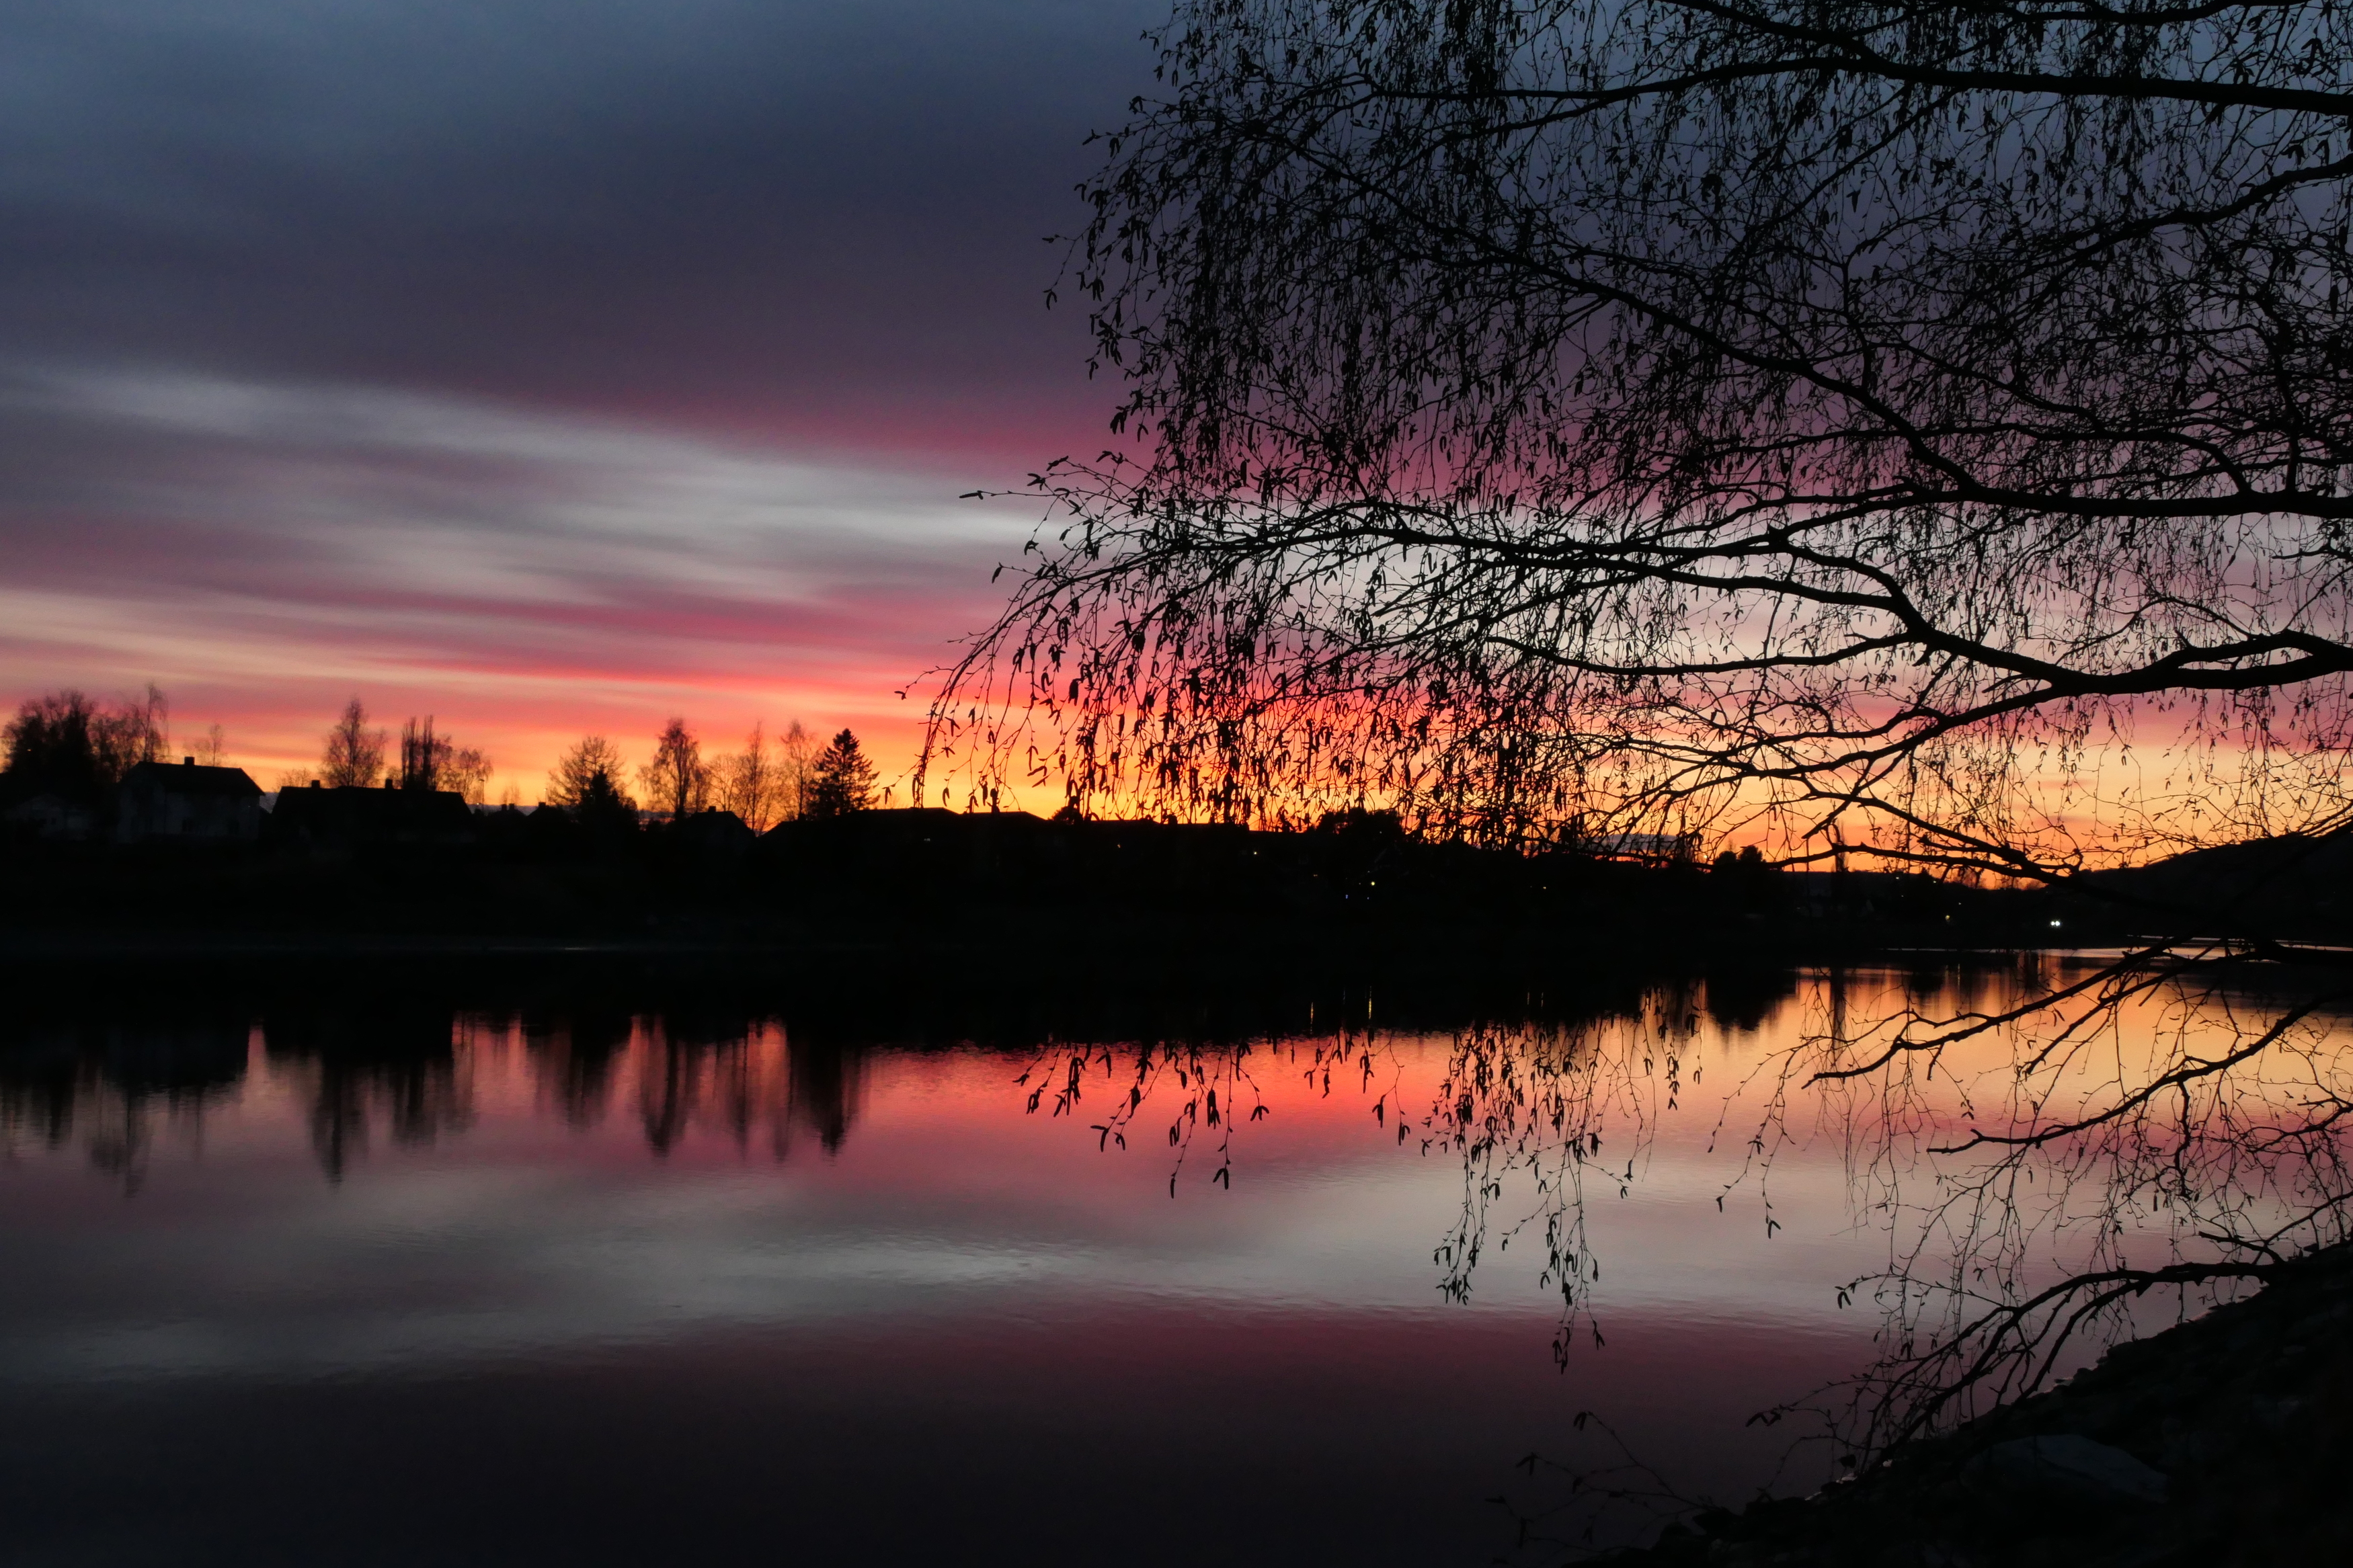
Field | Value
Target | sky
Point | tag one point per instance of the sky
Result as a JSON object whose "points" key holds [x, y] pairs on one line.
{"points": [[549, 366]]}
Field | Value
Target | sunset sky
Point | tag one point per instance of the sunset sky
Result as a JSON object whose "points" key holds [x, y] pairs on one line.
{"points": [[545, 365]]}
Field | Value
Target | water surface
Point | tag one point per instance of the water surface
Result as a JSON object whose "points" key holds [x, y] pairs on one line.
{"points": [[370, 1280]]}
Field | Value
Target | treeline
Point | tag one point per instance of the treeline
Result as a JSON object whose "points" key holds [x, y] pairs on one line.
{"points": [[75, 750], [768, 782], [737, 843], [67, 746], [354, 758]]}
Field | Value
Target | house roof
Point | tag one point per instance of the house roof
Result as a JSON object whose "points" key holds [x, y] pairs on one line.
{"points": [[349, 811], [187, 778]]}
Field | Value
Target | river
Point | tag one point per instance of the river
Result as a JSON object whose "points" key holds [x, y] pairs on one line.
{"points": [[380, 1277]]}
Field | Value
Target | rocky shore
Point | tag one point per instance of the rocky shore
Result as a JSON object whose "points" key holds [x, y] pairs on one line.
{"points": [[2226, 1440]]}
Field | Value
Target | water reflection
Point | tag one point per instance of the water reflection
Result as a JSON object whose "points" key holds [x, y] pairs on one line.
{"points": [[113, 1086], [576, 1054], [409, 1077], [357, 1068], [2049, 1151], [744, 1081], [1708, 1196]]}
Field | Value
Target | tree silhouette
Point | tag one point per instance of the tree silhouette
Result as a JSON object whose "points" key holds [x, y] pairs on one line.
{"points": [[1853, 423], [795, 770], [133, 732], [602, 804], [592, 758], [354, 756], [763, 783], [677, 781], [843, 780], [429, 761], [1911, 433], [50, 750], [586, 782], [63, 744], [423, 755]]}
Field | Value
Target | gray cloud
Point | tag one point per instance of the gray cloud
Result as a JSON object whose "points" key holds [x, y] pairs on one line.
{"points": [[548, 363], [769, 211], [266, 547]]}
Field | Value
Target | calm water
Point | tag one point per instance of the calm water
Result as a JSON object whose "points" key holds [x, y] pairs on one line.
{"points": [[473, 1286]]}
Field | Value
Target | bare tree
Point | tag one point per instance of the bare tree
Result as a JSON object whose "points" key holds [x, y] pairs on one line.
{"points": [[213, 750], [432, 761], [62, 743], [1854, 422], [1906, 432], [422, 755], [795, 770], [135, 730], [752, 784], [678, 782], [468, 772], [355, 754]]}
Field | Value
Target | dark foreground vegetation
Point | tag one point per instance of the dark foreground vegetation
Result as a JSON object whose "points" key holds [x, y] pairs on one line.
{"points": [[355, 864], [2223, 1441]]}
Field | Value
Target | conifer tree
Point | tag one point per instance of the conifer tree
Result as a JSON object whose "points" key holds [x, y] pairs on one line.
{"points": [[590, 771], [844, 779]]}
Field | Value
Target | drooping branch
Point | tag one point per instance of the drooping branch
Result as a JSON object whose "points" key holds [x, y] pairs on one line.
{"points": [[1743, 416]]}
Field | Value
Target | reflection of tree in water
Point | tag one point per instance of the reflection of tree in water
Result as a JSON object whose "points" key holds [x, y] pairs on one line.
{"points": [[105, 1082], [827, 1086], [2043, 1147], [2171, 1123], [574, 1055], [738, 1077], [1211, 1085], [358, 1064], [732, 1073], [409, 1072], [687, 1071]]}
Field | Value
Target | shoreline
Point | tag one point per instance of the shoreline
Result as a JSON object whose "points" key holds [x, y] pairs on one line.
{"points": [[2222, 1440]]}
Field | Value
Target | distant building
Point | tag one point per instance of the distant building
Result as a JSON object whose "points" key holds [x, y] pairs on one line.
{"points": [[51, 817], [347, 816], [1653, 847], [160, 804], [717, 833]]}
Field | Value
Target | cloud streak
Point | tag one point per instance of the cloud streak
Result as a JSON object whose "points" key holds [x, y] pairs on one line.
{"points": [[543, 364], [525, 575], [810, 220]]}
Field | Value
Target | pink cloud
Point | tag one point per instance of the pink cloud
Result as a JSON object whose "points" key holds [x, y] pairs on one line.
{"points": [[265, 552]]}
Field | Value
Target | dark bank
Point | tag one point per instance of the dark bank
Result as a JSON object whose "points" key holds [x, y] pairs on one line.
{"points": [[189, 852]]}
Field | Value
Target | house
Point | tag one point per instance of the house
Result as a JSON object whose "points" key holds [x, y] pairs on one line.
{"points": [[344, 817], [48, 816], [160, 804], [720, 834], [1654, 847]]}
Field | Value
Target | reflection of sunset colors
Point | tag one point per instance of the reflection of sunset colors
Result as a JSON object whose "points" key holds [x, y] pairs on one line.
{"points": [[882, 1244], [1671, 1096]]}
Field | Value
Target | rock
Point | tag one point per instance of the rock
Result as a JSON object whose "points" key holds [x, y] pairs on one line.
{"points": [[2073, 1464]]}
